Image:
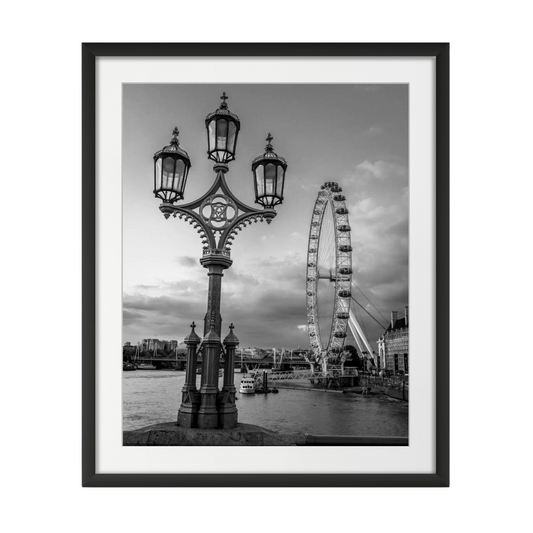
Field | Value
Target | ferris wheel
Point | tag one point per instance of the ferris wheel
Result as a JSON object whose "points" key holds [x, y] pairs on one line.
{"points": [[329, 274]]}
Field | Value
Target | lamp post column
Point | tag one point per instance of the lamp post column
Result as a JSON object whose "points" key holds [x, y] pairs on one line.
{"points": [[214, 291], [208, 413]]}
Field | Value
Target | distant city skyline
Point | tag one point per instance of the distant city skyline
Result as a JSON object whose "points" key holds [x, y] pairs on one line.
{"points": [[356, 135], [182, 343]]}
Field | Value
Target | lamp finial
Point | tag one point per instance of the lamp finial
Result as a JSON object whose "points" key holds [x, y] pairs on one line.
{"points": [[224, 97], [175, 133], [269, 147]]}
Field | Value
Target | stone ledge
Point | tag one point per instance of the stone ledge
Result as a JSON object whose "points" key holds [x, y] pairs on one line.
{"points": [[170, 434]]}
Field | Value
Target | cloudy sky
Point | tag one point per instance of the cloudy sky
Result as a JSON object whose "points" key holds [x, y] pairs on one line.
{"points": [[356, 135]]}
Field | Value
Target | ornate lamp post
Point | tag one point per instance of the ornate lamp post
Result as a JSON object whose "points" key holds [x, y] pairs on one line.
{"points": [[218, 215]]}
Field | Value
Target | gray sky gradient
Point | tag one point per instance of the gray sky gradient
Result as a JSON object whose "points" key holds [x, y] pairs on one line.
{"points": [[356, 135]]}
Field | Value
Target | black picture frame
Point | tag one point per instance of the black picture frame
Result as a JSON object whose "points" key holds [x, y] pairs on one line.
{"points": [[90, 52]]}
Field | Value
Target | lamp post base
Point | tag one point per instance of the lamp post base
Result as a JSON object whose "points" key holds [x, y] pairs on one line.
{"points": [[208, 419], [227, 410], [187, 418], [188, 411], [227, 420], [208, 412]]}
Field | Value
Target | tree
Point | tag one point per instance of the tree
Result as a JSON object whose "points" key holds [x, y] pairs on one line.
{"points": [[355, 360]]}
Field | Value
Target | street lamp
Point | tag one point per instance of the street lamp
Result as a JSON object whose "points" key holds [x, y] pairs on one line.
{"points": [[217, 216], [269, 176], [171, 168], [222, 130]]}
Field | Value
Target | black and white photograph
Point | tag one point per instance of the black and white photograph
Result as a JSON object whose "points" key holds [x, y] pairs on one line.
{"points": [[261, 271], [265, 264]]}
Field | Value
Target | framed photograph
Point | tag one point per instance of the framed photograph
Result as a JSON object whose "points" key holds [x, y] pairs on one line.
{"points": [[265, 264]]}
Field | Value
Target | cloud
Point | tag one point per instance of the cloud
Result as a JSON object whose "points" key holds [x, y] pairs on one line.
{"points": [[263, 297], [302, 327], [366, 210], [130, 316], [380, 170], [373, 131], [307, 186], [187, 261], [380, 241]]}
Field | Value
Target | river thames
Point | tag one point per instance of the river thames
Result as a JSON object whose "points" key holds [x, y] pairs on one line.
{"points": [[153, 396]]}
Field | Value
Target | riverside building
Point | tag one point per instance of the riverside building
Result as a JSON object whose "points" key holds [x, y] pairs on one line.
{"points": [[393, 345], [152, 344]]}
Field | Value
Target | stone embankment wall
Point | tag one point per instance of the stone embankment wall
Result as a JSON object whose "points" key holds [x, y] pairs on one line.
{"points": [[393, 387], [400, 394]]}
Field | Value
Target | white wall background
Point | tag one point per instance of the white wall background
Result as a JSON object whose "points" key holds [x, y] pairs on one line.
{"points": [[41, 259]]}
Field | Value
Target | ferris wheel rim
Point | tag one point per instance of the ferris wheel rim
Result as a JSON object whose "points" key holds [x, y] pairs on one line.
{"points": [[329, 195]]}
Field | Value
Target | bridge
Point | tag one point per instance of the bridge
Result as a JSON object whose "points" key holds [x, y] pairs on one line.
{"points": [[333, 376], [267, 362]]}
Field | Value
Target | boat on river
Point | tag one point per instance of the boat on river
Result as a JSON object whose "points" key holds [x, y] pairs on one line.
{"points": [[247, 386]]}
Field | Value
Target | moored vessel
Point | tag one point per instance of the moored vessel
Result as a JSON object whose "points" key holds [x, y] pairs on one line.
{"points": [[247, 386]]}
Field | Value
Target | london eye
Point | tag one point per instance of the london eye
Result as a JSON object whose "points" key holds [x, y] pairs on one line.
{"points": [[329, 279]]}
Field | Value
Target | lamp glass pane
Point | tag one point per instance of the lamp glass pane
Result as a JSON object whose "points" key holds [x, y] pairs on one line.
{"points": [[270, 179], [259, 175], [232, 136], [168, 173], [180, 168], [211, 134], [158, 169], [222, 134], [180, 174], [281, 177]]}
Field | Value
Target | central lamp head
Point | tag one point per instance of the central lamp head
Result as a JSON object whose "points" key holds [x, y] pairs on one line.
{"points": [[222, 131]]}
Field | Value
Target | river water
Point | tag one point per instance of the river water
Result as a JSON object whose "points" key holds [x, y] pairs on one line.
{"points": [[153, 396]]}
